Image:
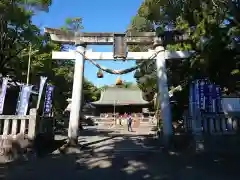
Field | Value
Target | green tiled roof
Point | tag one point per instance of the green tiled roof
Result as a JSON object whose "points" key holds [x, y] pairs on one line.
{"points": [[121, 96]]}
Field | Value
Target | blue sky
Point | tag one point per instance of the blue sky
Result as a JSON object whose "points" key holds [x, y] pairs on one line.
{"points": [[98, 16]]}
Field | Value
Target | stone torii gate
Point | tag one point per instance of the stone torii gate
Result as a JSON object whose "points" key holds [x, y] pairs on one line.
{"points": [[119, 42]]}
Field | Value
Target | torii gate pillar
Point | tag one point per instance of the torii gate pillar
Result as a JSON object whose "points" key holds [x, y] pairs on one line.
{"points": [[76, 96], [163, 92]]}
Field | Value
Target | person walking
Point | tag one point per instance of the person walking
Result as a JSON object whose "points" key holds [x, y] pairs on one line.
{"points": [[129, 123]]}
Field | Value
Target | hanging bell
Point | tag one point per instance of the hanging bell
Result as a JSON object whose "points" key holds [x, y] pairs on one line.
{"points": [[137, 74], [100, 74], [118, 81]]}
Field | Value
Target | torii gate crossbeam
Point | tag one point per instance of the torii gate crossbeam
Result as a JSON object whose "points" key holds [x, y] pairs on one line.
{"points": [[83, 39]]}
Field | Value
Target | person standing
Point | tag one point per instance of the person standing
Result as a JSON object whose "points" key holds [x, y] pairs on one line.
{"points": [[120, 120], [129, 123]]}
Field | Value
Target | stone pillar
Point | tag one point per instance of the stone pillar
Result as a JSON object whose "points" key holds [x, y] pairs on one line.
{"points": [[32, 126], [163, 93], [76, 97]]}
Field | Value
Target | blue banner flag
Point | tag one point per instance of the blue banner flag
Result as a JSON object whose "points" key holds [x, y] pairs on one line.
{"points": [[47, 110], [219, 99]]}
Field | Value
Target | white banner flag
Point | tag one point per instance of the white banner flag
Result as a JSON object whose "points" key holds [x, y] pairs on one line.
{"points": [[3, 93], [42, 83]]}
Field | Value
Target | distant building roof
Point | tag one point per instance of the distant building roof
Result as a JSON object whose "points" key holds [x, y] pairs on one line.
{"points": [[121, 96]]}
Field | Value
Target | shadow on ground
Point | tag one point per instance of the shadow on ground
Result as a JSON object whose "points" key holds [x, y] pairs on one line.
{"points": [[111, 158], [88, 131]]}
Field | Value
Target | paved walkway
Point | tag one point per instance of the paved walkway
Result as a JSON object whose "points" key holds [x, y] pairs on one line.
{"points": [[109, 155]]}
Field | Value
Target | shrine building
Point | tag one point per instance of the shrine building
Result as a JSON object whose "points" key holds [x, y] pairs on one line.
{"points": [[116, 101]]}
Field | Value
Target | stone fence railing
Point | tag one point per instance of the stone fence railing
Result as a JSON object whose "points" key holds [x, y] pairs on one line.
{"points": [[15, 124]]}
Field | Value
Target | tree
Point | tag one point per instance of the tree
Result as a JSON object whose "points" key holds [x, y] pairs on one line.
{"points": [[90, 92], [212, 26], [17, 30], [17, 33], [73, 24]]}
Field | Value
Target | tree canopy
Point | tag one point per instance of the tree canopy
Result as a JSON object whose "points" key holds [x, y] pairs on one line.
{"points": [[214, 30], [18, 34]]}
